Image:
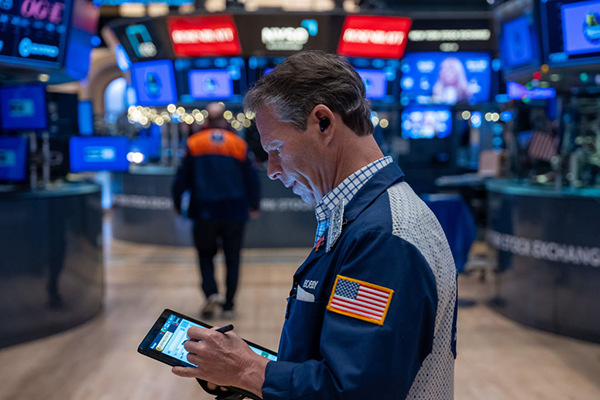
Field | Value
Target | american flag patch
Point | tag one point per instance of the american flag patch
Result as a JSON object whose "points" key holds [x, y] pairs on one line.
{"points": [[360, 300]]}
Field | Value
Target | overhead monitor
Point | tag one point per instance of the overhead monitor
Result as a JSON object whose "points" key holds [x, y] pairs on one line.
{"points": [[23, 108], [211, 78], [573, 31], [98, 154], [34, 33], [13, 158], [154, 83], [210, 84], [446, 78], [426, 123], [518, 35], [375, 82]]}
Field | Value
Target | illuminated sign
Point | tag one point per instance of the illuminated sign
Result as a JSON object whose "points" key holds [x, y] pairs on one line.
{"points": [[450, 35], [289, 38], [43, 10], [141, 41], [204, 36], [34, 32], [374, 36]]}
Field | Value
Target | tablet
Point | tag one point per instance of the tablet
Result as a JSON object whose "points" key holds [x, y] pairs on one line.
{"points": [[164, 342]]}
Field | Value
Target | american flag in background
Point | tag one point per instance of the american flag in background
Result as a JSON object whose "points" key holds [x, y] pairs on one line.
{"points": [[360, 300], [543, 146]]}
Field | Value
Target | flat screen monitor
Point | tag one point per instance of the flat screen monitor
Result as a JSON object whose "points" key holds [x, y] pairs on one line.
{"points": [[581, 28], [13, 158], [518, 35], [209, 84], [85, 117], [211, 78], [517, 45], [443, 78], [98, 154], [154, 83], [426, 123], [23, 107], [375, 83], [573, 31]]}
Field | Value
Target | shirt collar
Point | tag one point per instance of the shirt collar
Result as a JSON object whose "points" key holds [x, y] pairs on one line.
{"points": [[348, 188]]}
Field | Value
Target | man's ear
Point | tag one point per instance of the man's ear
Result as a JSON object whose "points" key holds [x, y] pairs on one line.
{"points": [[323, 121]]}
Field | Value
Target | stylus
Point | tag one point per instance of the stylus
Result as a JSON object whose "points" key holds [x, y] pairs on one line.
{"points": [[226, 328]]}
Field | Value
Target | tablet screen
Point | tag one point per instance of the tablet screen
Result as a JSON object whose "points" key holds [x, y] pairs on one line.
{"points": [[173, 334]]}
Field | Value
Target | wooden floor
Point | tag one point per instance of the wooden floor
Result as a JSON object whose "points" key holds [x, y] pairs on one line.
{"points": [[498, 359]]}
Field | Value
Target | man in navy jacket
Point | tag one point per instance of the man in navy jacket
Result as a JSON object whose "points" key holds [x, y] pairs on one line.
{"points": [[371, 312], [223, 190]]}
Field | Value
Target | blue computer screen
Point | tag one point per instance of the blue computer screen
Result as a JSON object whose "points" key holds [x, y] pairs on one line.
{"points": [[426, 123], [98, 154], [85, 117], [13, 157], [517, 47], [442, 78], [581, 27], [23, 107], [210, 84], [154, 83], [375, 82]]}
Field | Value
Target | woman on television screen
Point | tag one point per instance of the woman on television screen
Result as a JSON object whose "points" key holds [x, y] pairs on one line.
{"points": [[452, 86]]}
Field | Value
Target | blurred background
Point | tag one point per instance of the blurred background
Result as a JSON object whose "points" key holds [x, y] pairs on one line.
{"points": [[491, 108]]}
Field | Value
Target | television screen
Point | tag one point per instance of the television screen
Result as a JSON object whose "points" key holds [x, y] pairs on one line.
{"points": [[13, 157], [581, 29], [443, 78], [573, 31], [426, 123], [154, 83], [375, 83], [211, 78], [23, 107], [85, 111], [517, 43], [210, 84], [98, 154], [518, 37]]}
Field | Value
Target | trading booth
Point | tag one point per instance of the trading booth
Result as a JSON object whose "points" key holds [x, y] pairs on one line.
{"points": [[541, 222], [51, 272]]}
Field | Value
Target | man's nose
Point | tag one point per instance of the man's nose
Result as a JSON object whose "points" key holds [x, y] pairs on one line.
{"points": [[273, 168]]}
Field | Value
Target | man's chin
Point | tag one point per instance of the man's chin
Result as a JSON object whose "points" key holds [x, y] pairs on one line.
{"points": [[308, 198]]}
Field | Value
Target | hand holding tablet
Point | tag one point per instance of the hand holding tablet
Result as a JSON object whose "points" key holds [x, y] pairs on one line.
{"points": [[196, 351]]}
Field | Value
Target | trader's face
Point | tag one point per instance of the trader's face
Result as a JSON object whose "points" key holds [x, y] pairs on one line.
{"points": [[294, 157]]}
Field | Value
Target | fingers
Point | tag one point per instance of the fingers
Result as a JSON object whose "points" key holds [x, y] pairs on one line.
{"points": [[197, 333], [185, 372]]}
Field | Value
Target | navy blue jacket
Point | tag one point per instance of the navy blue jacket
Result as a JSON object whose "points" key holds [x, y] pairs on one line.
{"points": [[219, 175], [327, 354]]}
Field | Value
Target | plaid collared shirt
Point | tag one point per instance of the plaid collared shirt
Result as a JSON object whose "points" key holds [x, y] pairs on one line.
{"points": [[345, 191]]}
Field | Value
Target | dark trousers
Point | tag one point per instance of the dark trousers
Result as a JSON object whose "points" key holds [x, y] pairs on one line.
{"points": [[207, 234]]}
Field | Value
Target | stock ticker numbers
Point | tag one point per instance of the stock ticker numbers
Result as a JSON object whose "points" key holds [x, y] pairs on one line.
{"points": [[33, 32]]}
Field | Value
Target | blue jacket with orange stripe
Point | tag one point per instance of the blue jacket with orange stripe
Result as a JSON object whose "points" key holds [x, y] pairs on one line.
{"points": [[219, 175]]}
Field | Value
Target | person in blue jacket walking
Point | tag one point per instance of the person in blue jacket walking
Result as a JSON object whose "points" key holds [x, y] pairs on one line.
{"points": [[371, 312]]}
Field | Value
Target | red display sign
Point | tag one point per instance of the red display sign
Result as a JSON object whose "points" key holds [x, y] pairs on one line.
{"points": [[204, 36], [376, 37]]}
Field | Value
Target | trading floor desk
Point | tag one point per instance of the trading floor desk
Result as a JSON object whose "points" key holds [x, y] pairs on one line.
{"points": [[51, 270], [143, 212], [548, 246]]}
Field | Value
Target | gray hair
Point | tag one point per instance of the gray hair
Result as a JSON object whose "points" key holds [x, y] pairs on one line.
{"points": [[307, 79]]}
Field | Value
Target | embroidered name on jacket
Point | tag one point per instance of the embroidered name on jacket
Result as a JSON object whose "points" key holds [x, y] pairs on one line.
{"points": [[360, 300]]}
